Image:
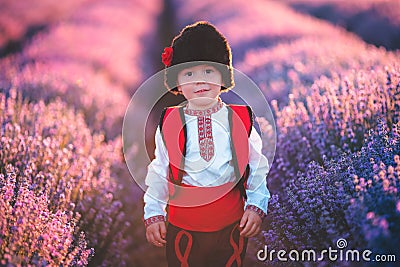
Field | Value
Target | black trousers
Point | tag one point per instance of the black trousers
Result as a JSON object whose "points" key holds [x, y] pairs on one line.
{"points": [[205, 249]]}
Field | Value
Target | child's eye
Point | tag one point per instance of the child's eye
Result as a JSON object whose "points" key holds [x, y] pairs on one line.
{"points": [[208, 71], [189, 74]]}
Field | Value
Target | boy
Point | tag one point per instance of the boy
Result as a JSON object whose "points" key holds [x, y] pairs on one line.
{"points": [[208, 160]]}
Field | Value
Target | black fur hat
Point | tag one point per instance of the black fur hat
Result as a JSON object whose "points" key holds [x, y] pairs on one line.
{"points": [[200, 41]]}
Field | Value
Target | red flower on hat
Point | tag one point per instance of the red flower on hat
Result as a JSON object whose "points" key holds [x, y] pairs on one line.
{"points": [[167, 56]]}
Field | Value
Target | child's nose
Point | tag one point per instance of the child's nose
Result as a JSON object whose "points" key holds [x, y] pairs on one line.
{"points": [[201, 77], [200, 81]]}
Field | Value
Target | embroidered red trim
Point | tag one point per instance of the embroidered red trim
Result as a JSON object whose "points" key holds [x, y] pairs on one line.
{"points": [[256, 209], [205, 112], [204, 127], [206, 142], [154, 219]]}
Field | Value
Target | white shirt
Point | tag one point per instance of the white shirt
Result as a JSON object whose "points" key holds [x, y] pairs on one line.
{"points": [[198, 172]]}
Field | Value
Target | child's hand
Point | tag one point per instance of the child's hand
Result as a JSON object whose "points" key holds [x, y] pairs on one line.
{"points": [[250, 224], [155, 234]]}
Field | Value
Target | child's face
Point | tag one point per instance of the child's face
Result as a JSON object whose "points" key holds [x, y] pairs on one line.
{"points": [[200, 85]]}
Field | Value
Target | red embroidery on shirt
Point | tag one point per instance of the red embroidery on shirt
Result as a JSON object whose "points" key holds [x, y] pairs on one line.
{"points": [[154, 219], [259, 211], [206, 142], [204, 126]]}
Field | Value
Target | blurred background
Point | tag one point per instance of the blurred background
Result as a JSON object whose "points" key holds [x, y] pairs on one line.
{"points": [[330, 69]]}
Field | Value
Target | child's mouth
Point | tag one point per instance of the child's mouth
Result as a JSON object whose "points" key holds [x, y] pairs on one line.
{"points": [[202, 91]]}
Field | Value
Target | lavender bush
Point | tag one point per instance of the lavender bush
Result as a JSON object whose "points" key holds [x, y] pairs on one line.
{"points": [[288, 67], [333, 119], [33, 234], [91, 55], [61, 166], [375, 209], [337, 166], [355, 196]]}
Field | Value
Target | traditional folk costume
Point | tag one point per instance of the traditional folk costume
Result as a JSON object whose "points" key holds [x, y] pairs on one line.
{"points": [[208, 169], [195, 225]]}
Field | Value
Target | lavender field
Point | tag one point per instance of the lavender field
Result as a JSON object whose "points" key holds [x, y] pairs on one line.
{"points": [[69, 69]]}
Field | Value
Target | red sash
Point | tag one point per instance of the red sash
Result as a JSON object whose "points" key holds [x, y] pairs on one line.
{"points": [[226, 208]]}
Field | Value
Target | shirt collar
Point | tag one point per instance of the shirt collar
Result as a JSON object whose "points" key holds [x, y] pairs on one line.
{"points": [[205, 112]]}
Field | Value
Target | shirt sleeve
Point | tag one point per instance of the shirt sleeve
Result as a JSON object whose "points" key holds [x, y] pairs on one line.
{"points": [[156, 196], [256, 186]]}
